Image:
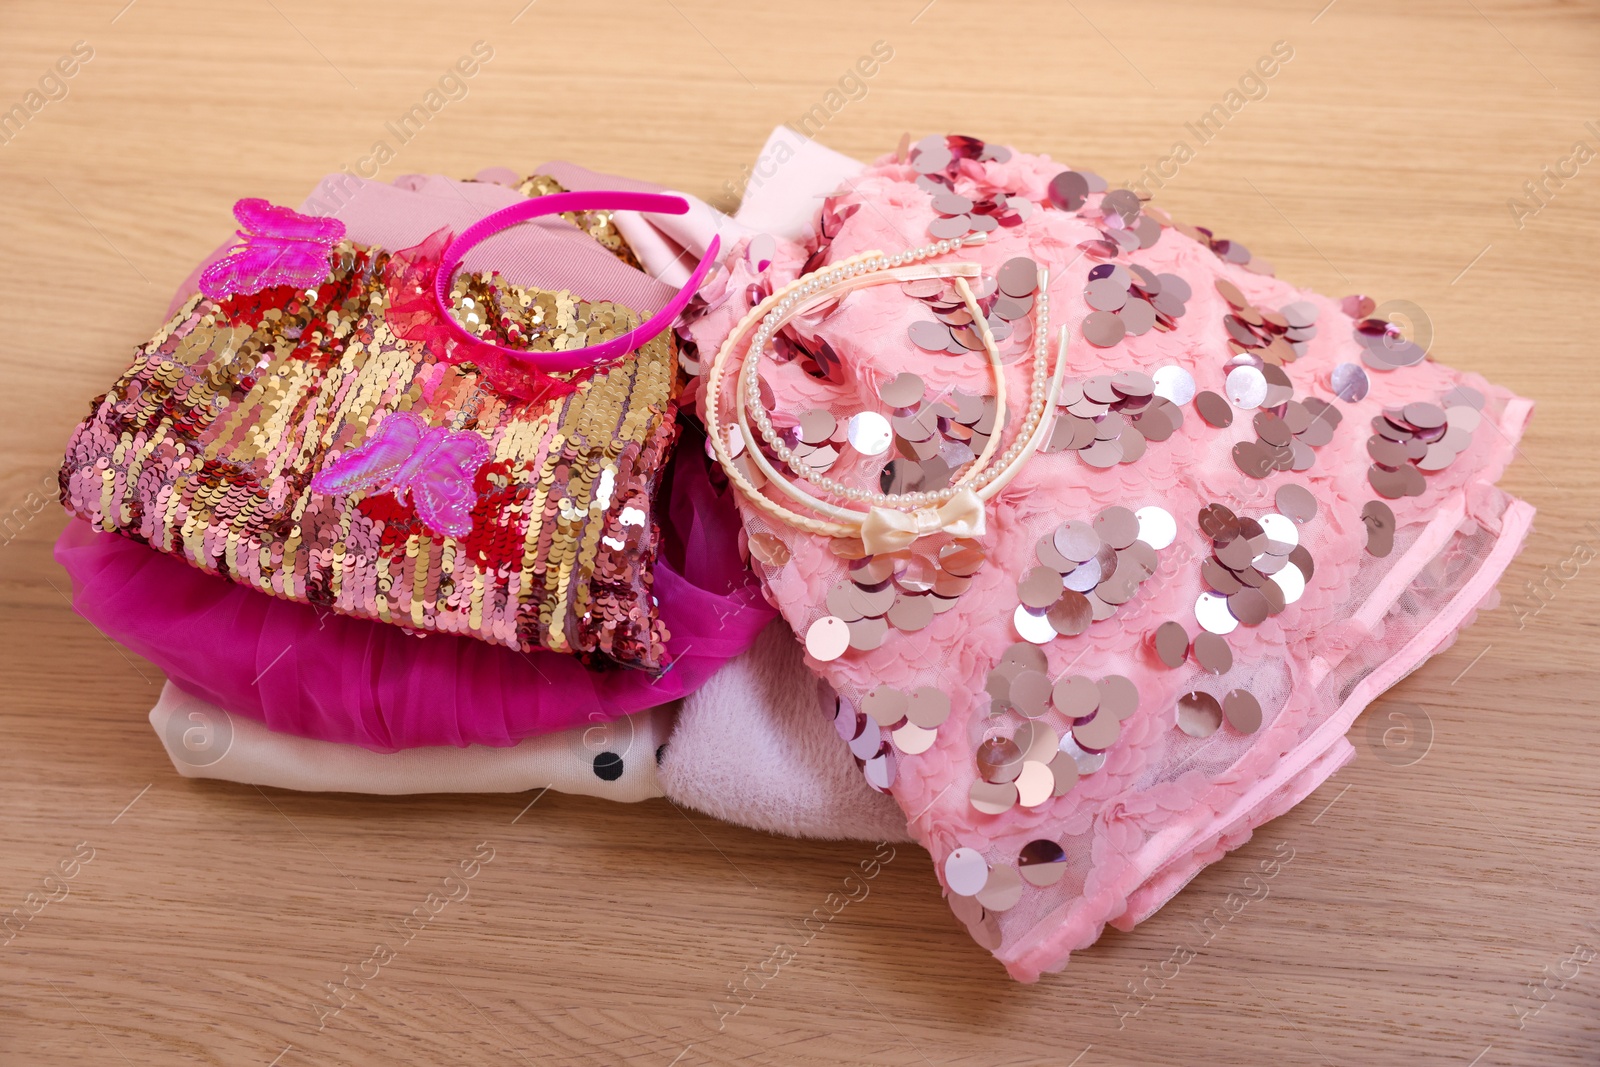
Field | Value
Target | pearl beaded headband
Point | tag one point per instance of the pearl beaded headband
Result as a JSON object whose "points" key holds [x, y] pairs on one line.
{"points": [[893, 521], [748, 385]]}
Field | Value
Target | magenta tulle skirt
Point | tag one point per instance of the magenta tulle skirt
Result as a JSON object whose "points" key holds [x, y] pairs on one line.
{"points": [[303, 670]]}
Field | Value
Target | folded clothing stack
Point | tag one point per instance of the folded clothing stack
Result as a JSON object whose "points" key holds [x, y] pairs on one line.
{"points": [[754, 746], [1096, 536]]}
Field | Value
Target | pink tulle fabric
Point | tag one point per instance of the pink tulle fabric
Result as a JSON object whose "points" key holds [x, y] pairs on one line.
{"points": [[312, 673], [1164, 804], [413, 316]]}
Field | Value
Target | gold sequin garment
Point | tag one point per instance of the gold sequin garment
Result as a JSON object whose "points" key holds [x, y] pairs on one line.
{"points": [[206, 448], [597, 224]]}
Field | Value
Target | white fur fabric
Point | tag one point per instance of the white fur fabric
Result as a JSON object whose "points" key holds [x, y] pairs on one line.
{"points": [[756, 746]]}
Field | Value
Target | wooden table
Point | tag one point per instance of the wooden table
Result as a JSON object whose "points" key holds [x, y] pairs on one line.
{"points": [[1434, 880]]}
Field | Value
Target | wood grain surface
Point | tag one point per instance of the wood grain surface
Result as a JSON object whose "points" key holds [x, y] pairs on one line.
{"points": [[1441, 906]]}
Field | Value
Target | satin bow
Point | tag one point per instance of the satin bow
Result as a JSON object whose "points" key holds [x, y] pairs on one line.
{"points": [[886, 530]]}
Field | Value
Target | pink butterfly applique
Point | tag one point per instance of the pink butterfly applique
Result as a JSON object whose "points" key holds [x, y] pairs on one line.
{"points": [[281, 247], [435, 466]]}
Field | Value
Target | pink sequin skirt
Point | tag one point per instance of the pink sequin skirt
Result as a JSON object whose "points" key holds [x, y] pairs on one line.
{"points": [[1257, 509]]}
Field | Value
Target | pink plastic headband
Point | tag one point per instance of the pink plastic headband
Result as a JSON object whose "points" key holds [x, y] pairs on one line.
{"points": [[555, 204]]}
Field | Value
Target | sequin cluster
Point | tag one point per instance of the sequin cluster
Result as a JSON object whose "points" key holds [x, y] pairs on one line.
{"points": [[937, 161], [1257, 567], [1124, 226], [1420, 437], [890, 723], [1128, 301], [1004, 297], [960, 215], [1109, 418], [903, 590], [830, 220], [1276, 337], [1088, 570], [534, 320], [1287, 430], [815, 355], [1035, 761], [932, 440], [1131, 300], [207, 445]]}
